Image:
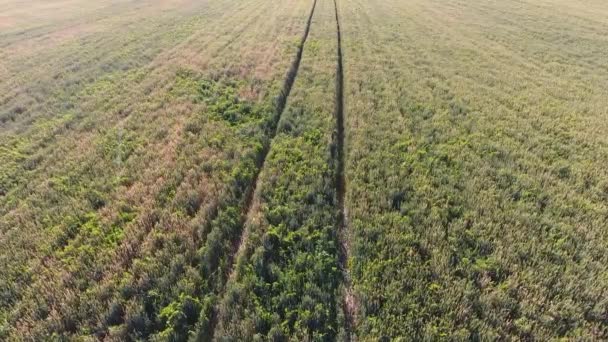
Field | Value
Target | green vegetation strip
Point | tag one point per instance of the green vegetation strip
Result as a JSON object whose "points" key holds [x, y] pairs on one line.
{"points": [[287, 279], [213, 249]]}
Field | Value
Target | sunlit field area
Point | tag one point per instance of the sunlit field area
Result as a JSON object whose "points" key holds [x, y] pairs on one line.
{"points": [[303, 170], [476, 179]]}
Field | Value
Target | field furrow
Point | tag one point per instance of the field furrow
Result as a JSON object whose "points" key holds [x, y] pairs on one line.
{"points": [[349, 302]]}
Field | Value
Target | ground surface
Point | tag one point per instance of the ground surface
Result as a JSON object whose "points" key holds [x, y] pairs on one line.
{"points": [[303, 170]]}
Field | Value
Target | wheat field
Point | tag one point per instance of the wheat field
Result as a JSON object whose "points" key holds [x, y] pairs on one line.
{"points": [[303, 170]]}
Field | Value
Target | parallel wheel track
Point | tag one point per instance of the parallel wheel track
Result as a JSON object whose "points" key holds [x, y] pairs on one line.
{"points": [[280, 107]]}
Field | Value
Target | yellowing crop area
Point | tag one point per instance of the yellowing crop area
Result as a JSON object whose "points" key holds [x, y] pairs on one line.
{"points": [[114, 175], [303, 170]]}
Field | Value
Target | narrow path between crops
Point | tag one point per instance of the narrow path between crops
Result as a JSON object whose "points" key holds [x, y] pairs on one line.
{"points": [[349, 301], [248, 203]]}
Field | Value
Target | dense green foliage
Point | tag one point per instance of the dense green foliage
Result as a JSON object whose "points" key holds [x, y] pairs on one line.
{"points": [[287, 277]]}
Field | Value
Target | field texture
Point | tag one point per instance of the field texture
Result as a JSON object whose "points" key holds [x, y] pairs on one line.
{"points": [[476, 179], [303, 170]]}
